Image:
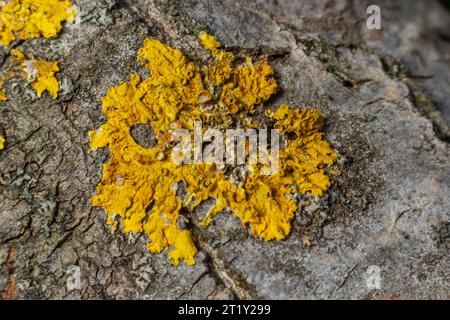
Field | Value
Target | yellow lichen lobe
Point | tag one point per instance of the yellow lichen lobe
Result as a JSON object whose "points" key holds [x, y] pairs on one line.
{"points": [[29, 19], [42, 76], [19, 56], [209, 42], [252, 85], [2, 143], [5, 77], [140, 184], [220, 69], [308, 154]]}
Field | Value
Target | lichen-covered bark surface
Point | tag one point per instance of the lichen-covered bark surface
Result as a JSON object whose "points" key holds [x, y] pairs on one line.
{"points": [[386, 97]]}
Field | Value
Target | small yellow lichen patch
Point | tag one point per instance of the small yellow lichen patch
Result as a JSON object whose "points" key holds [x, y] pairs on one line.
{"points": [[220, 70], [4, 77], [139, 184], [41, 75], [252, 85], [29, 19], [2, 143], [3, 96], [19, 56]]}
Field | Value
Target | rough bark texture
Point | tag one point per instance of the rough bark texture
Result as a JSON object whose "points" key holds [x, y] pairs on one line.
{"points": [[385, 94]]}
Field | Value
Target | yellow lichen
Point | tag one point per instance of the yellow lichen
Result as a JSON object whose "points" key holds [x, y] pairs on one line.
{"points": [[220, 70], [251, 85], [29, 19], [41, 75], [4, 77], [2, 143], [19, 57], [139, 184]]}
